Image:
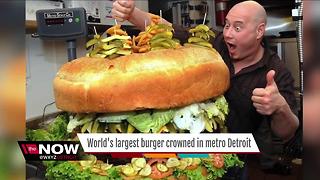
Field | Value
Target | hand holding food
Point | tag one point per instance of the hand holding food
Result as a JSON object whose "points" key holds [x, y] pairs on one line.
{"points": [[121, 10]]}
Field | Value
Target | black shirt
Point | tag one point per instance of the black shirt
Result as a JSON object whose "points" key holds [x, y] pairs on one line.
{"points": [[243, 117]]}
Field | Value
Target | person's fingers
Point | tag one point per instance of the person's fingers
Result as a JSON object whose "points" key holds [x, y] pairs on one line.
{"points": [[113, 12], [120, 8], [118, 19], [118, 15], [258, 106], [258, 99], [115, 5], [270, 77], [260, 111], [127, 4], [259, 92]]}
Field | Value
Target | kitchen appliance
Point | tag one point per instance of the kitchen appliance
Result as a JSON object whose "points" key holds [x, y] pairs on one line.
{"points": [[63, 24]]}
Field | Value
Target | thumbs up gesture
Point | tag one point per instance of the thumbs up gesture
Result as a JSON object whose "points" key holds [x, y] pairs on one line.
{"points": [[268, 100]]}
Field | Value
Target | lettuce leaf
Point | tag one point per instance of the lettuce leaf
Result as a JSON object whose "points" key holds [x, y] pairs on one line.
{"points": [[219, 108], [213, 172], [211, 110], [73, 171], [58, 128], [190, 174], [39, 135], [142, 122], [161, 118], [146, 122], [67, 170], [78, 120], [232, 160], [114, 174], [114, 117], [222, 105]]}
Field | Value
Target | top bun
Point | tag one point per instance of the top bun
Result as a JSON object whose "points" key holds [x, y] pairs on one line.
{"points": [[159, 79]]}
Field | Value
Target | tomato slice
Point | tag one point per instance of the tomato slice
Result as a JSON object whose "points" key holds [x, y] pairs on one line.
{"points": [[157, 160], [192, 167], [156, 174], [218, 160]]}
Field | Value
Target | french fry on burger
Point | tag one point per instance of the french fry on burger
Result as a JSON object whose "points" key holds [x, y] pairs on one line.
{"points": [[156, 36]]}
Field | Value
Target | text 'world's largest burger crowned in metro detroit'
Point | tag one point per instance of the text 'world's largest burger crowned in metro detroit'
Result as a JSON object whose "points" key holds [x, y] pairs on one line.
{"points": [[146, 84]]}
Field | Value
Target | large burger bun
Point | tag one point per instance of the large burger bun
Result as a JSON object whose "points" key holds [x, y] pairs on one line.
{"points": [[159, 79]]}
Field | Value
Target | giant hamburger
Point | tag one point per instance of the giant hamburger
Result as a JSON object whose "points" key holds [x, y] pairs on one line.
{"points": [[176, 85], [172, 90]]}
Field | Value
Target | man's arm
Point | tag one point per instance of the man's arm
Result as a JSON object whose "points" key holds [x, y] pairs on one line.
{"points": [[126, 10], [269, 101], [284, 122]]}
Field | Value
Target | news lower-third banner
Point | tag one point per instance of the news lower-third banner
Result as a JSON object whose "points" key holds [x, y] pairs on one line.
{"points": [[141, 145]]}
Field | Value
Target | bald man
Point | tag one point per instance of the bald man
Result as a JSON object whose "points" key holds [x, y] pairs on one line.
{"points": [[261, 92], [258, 71]]}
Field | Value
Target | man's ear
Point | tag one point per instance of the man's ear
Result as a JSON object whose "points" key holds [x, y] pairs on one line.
{"points": [[260, 30]]}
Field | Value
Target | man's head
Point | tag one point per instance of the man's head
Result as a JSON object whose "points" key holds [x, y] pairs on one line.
{"points": [[244, 29]]}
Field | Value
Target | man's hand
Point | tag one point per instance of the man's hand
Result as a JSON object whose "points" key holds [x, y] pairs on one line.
{"points": [[122, 9], [268, 100]]}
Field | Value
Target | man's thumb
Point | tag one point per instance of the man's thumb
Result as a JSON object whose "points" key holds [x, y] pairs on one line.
{"points": [[270, 77]]}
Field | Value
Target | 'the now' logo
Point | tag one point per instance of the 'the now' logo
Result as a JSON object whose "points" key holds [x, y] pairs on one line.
{"points": [[32, 148], [50, 150], [58, 148]]}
